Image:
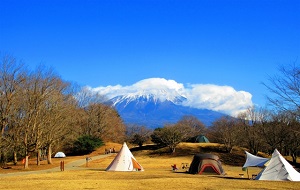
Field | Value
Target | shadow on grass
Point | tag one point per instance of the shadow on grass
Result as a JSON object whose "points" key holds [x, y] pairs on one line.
{"points": [[156, 150], [229, 177], [214, 176], [146, 147], [96, 169]]}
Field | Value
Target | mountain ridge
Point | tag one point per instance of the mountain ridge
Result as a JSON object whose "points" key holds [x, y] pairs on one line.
{"points": [[152, 110]]}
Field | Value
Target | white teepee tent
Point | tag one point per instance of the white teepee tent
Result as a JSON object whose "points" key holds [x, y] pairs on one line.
{"points": [[124, 161], [278, 169]]}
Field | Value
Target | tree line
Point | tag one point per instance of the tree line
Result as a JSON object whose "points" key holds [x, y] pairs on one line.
{"points": [[41, 113], [259, 130]]}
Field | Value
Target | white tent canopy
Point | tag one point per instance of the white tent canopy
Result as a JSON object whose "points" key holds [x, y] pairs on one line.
{"points": [[59, 155], [253, 160], [278, 169], [124, 161]]}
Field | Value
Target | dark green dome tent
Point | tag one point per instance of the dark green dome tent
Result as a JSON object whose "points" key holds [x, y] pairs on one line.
{"points": [[198, 139], [201, 139], [206, 163]]}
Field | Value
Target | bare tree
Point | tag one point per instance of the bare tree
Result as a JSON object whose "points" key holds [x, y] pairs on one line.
{"points": [[58, 115], [11, 77], [169, 135], [38, 111], [285, 89], [226, 131], [275, 131], [85, 97], [291, 141], [36, 101], [138, 134], [12, 140], [285, 96], [251, 122], [103, 122], [190, 126]]}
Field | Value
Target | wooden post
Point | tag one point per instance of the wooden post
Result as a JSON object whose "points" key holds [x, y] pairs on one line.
{"points": [[62, 165]]}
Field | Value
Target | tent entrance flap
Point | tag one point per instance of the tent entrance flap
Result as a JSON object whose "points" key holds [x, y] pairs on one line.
{"points": [[136, 164], [206, 163], [209, 168]]}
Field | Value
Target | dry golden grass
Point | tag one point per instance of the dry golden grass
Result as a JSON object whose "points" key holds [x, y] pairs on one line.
{"points": [[56, 161], [157, 175], [33, 167]]}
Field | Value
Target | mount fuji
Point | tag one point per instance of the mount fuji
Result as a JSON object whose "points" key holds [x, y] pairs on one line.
{"points": [[156, 107]]}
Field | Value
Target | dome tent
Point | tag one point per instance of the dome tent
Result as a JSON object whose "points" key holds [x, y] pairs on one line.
{"points": [[201, 139], [206, 163], [59, 155], [198, 139]]}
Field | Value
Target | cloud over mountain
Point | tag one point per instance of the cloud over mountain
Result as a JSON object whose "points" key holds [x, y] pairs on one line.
{"points": [[204, 96]]}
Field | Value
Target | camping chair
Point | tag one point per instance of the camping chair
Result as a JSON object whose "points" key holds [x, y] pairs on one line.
{"points": [[174, 167], [185, 165]]}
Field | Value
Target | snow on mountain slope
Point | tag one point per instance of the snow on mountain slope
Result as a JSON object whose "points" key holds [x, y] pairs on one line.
{"points": [[142, 97], [156, 110], [223, 99], [153, 102]]}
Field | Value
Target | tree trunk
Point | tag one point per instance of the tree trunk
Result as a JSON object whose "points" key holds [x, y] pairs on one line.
{"points": [[49, 153], [172, 148], [15, 158], [3, 159], [294, 157], [26, 162], [38, 157]]}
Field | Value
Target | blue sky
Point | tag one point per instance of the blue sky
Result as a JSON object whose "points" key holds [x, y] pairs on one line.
{"points": [[235, 43]]}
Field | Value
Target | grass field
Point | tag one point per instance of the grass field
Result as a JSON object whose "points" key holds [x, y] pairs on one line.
{"points": [[157, 175]]}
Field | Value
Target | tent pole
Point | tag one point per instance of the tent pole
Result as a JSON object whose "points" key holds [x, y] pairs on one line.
{"points": [[247, 173]]}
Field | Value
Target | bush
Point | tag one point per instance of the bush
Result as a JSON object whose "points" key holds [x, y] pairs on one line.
{"points": [[86, 144]]}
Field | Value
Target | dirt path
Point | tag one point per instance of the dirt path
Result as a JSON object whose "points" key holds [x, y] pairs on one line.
{"points": [[75, 165]]}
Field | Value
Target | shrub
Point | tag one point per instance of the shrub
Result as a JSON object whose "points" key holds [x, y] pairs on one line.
{"points": [[86, 144]]}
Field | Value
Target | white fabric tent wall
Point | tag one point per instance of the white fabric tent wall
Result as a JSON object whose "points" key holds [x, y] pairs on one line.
{"points": [[124, 161], [253, 160], [279, 169], [59, 155]]}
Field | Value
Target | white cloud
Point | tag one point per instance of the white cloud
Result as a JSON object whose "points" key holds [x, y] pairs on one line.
{"points": [[158, 83], [206, 96], [218, 98]]}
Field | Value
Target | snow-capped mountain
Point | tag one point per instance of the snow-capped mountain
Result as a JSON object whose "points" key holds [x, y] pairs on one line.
{"points": [[152, 95], [224, 99], [142, 98], [158, 107]]}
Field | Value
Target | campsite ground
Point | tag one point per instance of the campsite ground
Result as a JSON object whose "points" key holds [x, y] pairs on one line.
{"points": [[157, 174]]}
